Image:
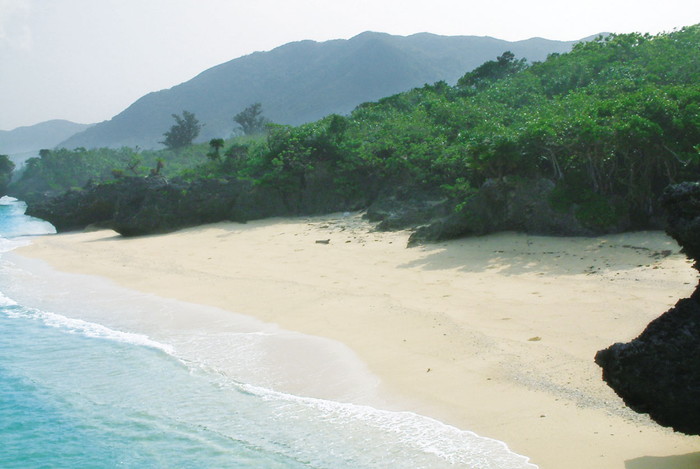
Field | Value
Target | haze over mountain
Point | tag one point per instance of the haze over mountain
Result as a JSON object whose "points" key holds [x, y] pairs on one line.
{"points": [[24, 142], [35, 137], [303, 81]]}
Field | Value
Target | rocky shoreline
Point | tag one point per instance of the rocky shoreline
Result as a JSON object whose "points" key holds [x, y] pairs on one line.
{"points": [[659, 372], [135, 206]]}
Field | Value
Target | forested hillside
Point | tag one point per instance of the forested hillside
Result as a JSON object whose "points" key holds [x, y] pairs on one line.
{"points": [[612, 124], [303, 81], [606, 127]]}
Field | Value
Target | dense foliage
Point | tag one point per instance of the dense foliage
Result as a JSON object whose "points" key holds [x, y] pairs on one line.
{"points": [[303, 81], [6, 167], [183, 132], [251, 120], [611, 123], [59, 170]]}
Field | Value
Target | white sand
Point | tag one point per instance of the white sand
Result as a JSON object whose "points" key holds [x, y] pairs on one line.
{"points": [[494, 334]]}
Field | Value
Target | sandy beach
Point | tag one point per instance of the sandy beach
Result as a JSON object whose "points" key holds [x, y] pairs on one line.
{"points": [[492, 334]]}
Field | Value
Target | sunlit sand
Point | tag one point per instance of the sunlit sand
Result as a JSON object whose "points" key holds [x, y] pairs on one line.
{"points": [[493, 334]]}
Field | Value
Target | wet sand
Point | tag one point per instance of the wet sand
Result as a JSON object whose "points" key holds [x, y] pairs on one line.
{"points": [[492, 334]]}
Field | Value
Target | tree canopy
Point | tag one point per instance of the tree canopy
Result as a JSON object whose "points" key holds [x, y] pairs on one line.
{"points": [[251, 120], [183, 132], [6, 167], [611, 124], [491, 71]]}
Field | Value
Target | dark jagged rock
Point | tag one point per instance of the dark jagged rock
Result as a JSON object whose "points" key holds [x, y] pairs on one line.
{"points": [[76, 209], [155, 205], [141, 206], [503, 205], [120, 203], [401, 209], [682, 204], [166, 206], [659, 372]]}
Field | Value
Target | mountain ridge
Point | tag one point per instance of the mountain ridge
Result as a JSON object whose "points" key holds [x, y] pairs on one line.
{"points": [[25, 142], [35, 137], [305, 80]]}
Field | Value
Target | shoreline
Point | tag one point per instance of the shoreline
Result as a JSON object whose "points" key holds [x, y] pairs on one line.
{"points": [[494, 335]]}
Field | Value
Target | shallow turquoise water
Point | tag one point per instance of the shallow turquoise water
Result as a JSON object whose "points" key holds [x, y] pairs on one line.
{"points": [[76, 393]]}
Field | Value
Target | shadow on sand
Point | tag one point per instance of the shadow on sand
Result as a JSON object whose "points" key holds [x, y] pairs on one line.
{"points": [[516, 253], [685, 461]]}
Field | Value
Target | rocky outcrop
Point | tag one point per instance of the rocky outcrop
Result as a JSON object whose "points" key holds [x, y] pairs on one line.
{"points": [[503, 205], [659, 372], [400, 208], [156, 205], [139, 206], [76, 209], [682, 203]]}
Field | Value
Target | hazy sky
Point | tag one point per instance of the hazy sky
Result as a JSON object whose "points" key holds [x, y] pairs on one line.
{"points": [[87, 60]]}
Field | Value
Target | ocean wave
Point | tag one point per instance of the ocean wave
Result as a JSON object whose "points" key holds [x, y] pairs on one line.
{"points": [[417, 435], [388, 434], [5, 301], [78, 326], [7, 245], [7, 200], [14, 223], [457, 447]]}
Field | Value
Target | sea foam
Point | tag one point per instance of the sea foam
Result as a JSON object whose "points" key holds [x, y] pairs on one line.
{"points": [[380, 436], [78, 326], [311, 431], [413, 432]]}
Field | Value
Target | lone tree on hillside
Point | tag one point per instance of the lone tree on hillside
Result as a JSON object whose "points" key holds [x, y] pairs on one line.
{"points": [[492, 71], [216, 144], [184, 131], [251, 119]]}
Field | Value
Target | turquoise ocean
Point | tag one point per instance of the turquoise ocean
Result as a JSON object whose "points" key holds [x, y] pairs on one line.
{"points": [[95, 376]]}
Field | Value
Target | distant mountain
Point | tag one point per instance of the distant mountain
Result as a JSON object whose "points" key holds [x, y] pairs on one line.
{"points": [[304, 81], [24, 142]]}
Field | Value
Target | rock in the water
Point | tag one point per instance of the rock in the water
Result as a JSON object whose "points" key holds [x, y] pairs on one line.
{"points": [[659, 372]]}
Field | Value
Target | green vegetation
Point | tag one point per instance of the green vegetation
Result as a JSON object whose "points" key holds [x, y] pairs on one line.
{"points": [[6, 168], [43, 135], [302, 82], [612, 123], [488, 73], [56, 171], [251, 120], [183, 132], [216, 144]]}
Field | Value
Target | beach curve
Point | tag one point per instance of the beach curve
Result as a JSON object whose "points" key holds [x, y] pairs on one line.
{"points": [[494, 334]]}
